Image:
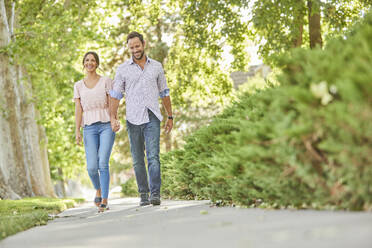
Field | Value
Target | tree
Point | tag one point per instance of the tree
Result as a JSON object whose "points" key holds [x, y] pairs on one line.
{"points": [[44, 47], [315, 33], [279, 25], [276, 25], [211, 24], [24, 168]]}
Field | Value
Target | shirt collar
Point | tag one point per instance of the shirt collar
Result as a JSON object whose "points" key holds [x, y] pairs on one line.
{"points": [[131, 61]]}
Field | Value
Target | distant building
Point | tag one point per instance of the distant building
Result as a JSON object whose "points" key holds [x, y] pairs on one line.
{"points": [[241, 77]]}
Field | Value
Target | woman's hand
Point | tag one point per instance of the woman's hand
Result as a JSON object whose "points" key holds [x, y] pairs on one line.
{"points": [[78, 137], [115, 125]]}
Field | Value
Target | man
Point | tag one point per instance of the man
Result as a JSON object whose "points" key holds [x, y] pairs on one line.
{"points": [[142, 80]]}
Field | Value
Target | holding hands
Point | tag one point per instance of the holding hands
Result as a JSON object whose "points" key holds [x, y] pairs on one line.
{"points": [[115, 125]]}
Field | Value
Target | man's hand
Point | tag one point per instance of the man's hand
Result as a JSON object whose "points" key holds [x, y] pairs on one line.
{"points": [[115, 125], [168, 126], [168, 107], [78, 137], [114, 105]]}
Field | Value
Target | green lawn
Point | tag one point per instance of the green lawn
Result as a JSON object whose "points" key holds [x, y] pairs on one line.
{"points": [[19, 215]]}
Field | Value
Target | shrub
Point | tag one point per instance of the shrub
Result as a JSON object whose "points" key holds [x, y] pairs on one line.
{"points": [[304, 143], [129, 188]]}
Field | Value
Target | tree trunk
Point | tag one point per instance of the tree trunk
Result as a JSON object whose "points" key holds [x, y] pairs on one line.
{"points": [[34, 135], [24, 170], [297, 40], [299, 15], [314, 23], [60, 184], [48, 185], [13, 141]]}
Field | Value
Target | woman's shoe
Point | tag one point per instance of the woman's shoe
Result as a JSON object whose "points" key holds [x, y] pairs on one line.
{"points": [[97, 201], [103, 208]]}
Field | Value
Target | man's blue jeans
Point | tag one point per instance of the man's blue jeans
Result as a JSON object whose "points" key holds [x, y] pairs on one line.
{"points": [[98, 141], [141, 136]]}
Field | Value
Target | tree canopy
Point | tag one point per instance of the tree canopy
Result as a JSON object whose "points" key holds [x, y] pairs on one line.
{"points": [[188, 37]]}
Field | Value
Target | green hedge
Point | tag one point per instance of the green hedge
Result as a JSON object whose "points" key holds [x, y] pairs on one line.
{"points": [[306, 143], [129, 188]]}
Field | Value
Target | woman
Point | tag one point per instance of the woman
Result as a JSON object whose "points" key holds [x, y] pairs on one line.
{"points": [[91, 97]]}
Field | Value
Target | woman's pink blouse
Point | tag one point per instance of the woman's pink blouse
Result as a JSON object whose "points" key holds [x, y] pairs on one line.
{"points": [[94, 101]]}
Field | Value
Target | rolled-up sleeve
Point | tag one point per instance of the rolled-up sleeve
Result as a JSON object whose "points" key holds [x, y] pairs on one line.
{"points": [[162, 84], [118, 86]]}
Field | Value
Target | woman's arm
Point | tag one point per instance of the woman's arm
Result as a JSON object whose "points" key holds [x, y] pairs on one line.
{"points": [[78, 119], [113, 107]]}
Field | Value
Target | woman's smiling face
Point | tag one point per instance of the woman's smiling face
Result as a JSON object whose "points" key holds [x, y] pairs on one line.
{"points": [[90, 63]]}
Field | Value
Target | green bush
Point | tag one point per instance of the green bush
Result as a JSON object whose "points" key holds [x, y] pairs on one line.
{"points": [[306, 143], [129, 188]]}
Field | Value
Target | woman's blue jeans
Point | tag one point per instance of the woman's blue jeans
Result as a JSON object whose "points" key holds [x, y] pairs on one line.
{"points": [[98, 141], [141, 136]]}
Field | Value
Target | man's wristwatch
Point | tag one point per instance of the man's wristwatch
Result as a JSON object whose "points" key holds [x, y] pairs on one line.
{"points": [[170, 117]]}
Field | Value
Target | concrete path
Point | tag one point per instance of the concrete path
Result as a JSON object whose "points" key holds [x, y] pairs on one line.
{"points": [[196, 224]]}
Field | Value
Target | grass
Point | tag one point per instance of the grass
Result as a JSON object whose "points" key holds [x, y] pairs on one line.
{"points": [[20, 215]]}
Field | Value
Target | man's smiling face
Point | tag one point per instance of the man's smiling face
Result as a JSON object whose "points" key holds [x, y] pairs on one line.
{"points": [[136, 48]]}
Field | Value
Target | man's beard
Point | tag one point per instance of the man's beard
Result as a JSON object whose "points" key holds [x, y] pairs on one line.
{"points": [[140, 57]]}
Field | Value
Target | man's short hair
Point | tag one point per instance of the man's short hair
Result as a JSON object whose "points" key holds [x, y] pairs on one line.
{"points": [[133, 35]]}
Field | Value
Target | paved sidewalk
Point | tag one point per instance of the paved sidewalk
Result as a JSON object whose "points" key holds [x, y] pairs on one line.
{"points": [[196, 224]]}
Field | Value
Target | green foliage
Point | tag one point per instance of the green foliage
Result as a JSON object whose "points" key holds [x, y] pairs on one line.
{"points": [[188, 37], [287, 146], [50, 39], [19, 215], [208, 25], [129, 188], [195, 81], [48, 42], [278, 24]]}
